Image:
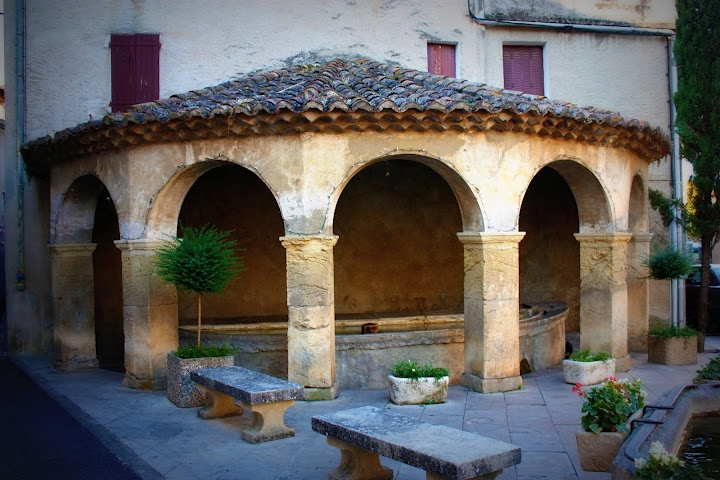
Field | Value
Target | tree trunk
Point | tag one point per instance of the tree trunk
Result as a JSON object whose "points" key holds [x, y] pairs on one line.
{"points": [[199, 317]]}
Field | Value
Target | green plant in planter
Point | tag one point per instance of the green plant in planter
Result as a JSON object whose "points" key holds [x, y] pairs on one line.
{"points": [[661, 465], [202, 351], [588, 356], [608, 406], [673, 331], [669, 263], [711, 371], [414, 371], [203, 260]]}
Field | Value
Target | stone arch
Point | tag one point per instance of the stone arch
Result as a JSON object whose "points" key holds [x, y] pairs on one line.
{"points": [[76, 216], [638, 286], [594, 208], [467, 200], [638, 209], [398, 253], [165, 210]]}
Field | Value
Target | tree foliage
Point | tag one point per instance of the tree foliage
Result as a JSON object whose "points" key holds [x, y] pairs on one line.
{"points": [[203, 260]]}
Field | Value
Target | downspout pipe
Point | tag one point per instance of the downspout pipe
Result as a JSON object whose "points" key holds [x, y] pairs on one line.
{"points": [[677, 236], [677, 292], [20, 126]]}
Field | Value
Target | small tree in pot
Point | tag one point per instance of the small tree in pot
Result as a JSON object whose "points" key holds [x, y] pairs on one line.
{"points": [[203, 261]]}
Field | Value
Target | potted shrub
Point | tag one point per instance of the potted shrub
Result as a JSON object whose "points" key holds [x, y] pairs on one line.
{"points": [[588, 368], [673, 345], [661, 464], [202, 261], [411, 383], [607, 411]]}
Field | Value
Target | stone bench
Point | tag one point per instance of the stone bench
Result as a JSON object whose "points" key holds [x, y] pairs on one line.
{"points": [[265, 396], [362, 434]]}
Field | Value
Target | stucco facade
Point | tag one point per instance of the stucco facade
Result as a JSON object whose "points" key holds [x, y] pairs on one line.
{"points": [[303, 177]]}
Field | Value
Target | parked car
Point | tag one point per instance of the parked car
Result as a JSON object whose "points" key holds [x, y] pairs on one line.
{"points": [[692, 287]]}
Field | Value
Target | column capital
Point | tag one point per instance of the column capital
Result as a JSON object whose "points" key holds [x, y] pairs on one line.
{"points": [[486, 238], [641, 237], [140, 244], [71, 249], [609, 237], [299, 241]]}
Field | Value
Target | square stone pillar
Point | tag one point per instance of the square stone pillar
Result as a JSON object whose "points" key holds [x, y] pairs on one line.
{"points": [[74, 302], [311, 314], [492, 311], [150, 316], [603, 295], [638, 291]]}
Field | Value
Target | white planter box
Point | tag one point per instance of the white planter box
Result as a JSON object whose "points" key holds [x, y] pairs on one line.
{"points": [[182, 391], [407, 391], [587, 373]]}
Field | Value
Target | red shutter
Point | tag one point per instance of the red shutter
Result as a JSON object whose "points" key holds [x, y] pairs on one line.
{"points": [[523, 69], [441, 59], [135, 69], [147, 67], [122, 51]]}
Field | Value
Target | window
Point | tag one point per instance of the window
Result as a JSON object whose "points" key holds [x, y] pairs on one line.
{"points": [[441, 59], [135, 69], [523, 69]]}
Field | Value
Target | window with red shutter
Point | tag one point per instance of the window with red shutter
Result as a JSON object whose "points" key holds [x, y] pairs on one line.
{"points": [[441, 59], [523, 69], [135, 69]]}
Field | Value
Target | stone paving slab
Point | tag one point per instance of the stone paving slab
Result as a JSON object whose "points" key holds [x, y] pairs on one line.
{"points": [[181, 446]]}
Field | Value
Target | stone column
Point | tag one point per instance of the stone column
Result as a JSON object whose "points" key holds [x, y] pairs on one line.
{"points": [[638, 291], [492, 311], [150, 316], [311, 311], [603, 295], [74, 299]]}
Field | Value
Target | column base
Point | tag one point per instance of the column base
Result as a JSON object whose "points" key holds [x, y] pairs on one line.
{"points": [[313, 394], [69, 365], [623, 364], [144, 383], [491, 385]]}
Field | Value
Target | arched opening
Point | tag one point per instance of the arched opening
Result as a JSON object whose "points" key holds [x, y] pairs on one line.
{"points": [[231, 197], [637, 212], [549, 253], [398, 252], [107, 283]]}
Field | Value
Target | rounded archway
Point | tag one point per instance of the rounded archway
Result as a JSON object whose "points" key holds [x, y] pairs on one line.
{"points": [[398, 254]]}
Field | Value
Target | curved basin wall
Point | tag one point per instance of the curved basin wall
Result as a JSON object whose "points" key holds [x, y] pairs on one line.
{"points": [[364, 361]]}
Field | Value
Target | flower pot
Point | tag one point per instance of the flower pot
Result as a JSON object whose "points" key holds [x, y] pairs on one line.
{"points": [[598, 450], [424, 390], [587, 373], [672, 350], [182, 391]]}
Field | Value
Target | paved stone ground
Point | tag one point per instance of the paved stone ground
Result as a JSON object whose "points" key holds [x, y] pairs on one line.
{"points": [[541, 418]]}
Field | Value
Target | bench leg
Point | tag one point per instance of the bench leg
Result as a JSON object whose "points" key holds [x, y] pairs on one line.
{"points": [[218, 405], [487, 476], [268, 422], [357, 463]]}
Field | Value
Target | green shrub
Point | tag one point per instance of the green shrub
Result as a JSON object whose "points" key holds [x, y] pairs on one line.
{"points": [[673, 331], [202, 351], [587, 356], [660, 465], [608, 406], [711, 371], [669, 264], [414, 371]]}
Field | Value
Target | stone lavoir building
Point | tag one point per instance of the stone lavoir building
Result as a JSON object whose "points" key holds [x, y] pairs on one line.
{"points": [[356, 188]]}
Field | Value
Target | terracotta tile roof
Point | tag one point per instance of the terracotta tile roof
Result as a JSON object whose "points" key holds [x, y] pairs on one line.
{"points": [[360, 95]]}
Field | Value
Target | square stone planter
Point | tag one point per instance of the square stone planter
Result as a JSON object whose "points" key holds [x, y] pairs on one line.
{"points": [[587, 373], [597, 451], [673, 350], [182, 391], [424, 390]]}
